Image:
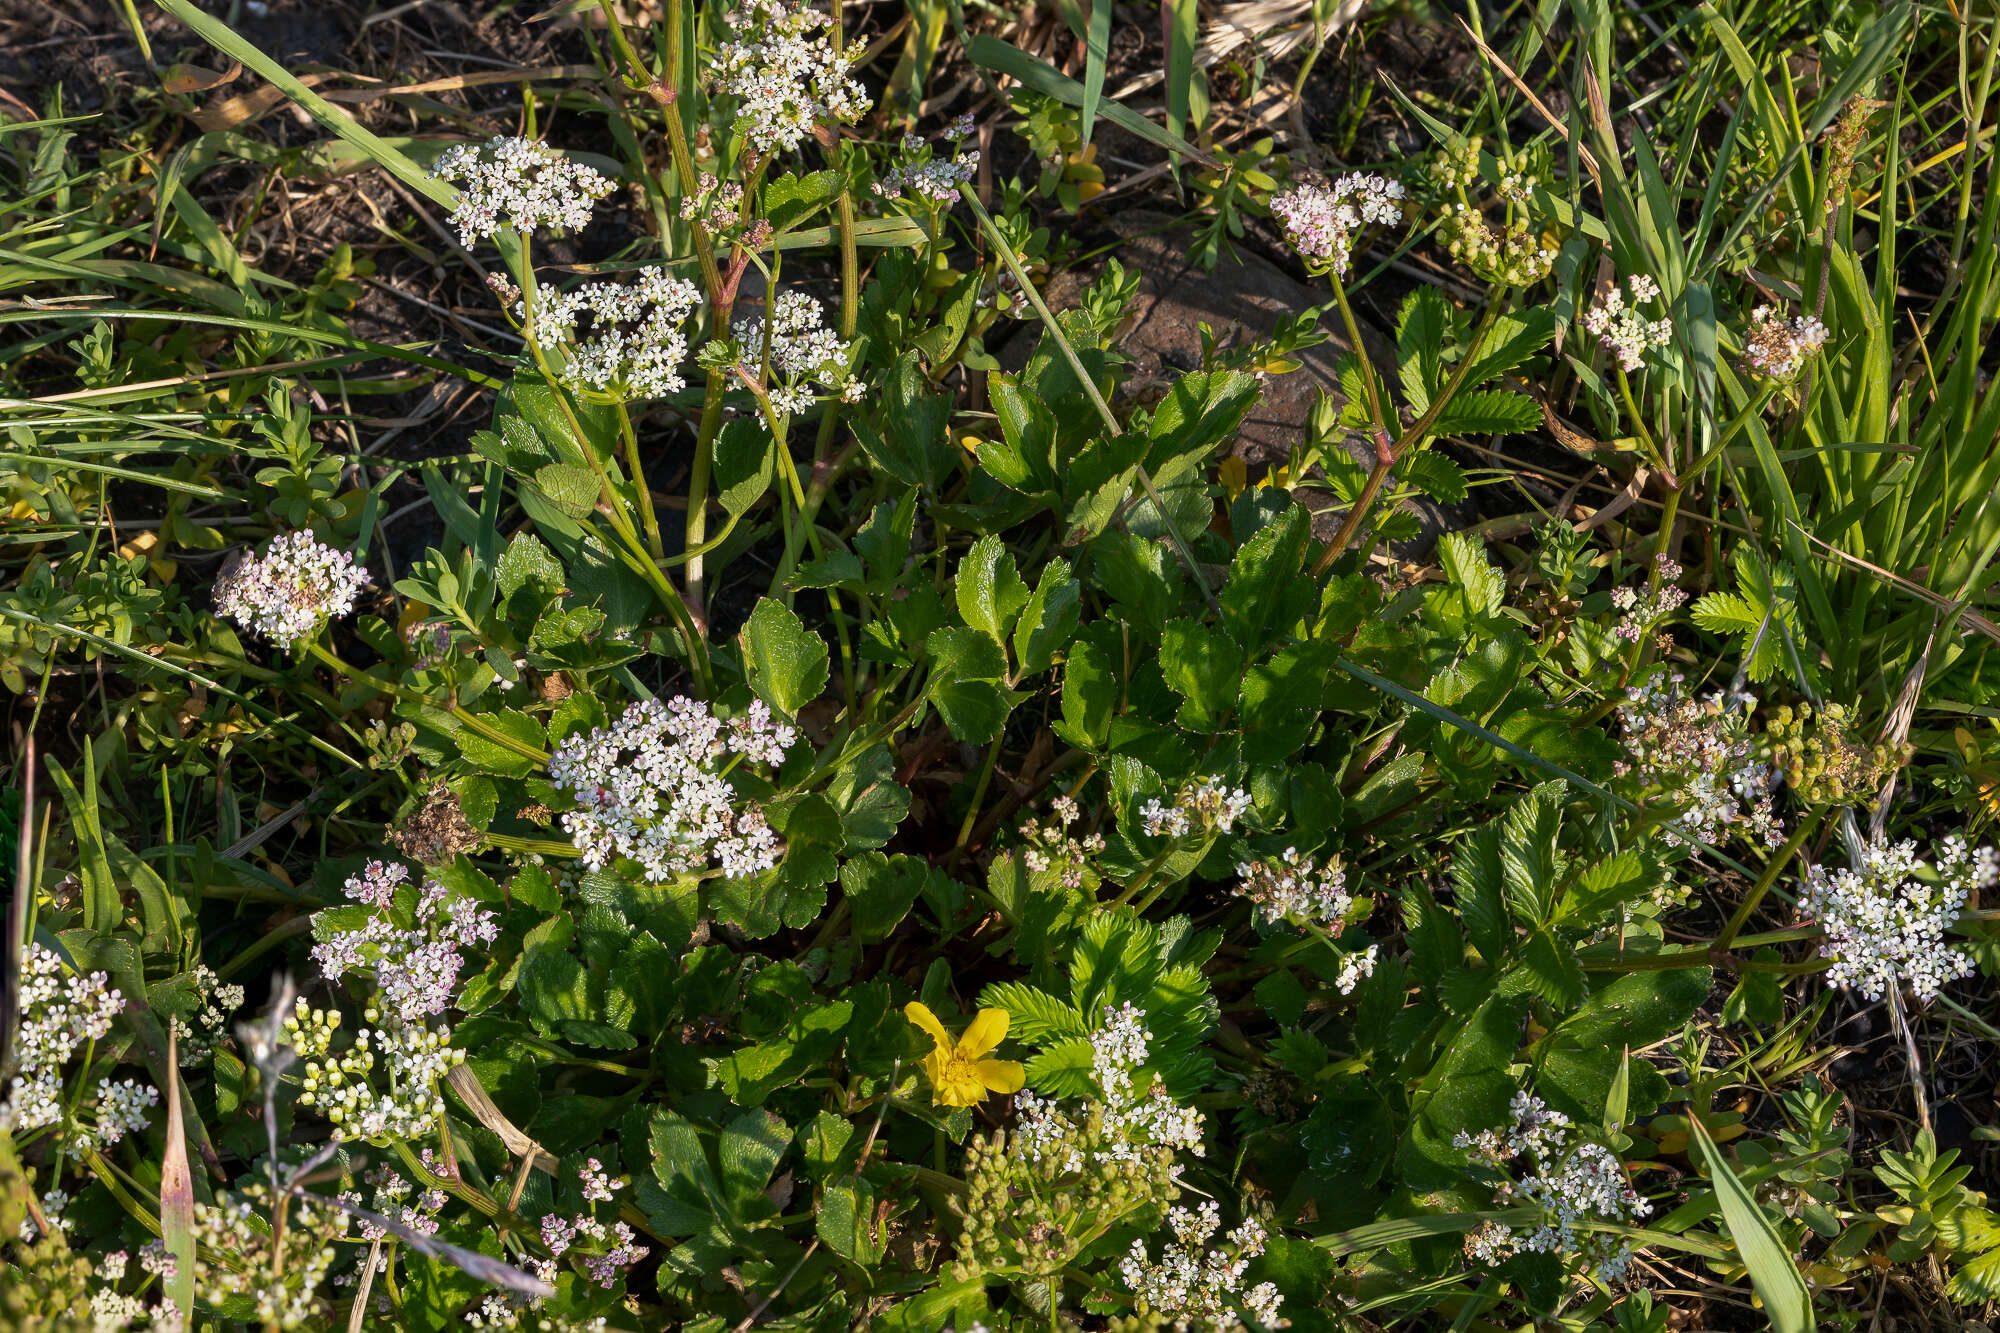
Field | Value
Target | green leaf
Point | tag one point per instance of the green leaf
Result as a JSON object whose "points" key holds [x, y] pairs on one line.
{"points": [[967, 668], [1033, 1016], [495, 757], [871, 802], [1089, 696], [881, 890], [102, 910], [1048, 623], [748, 1153], [570, 487], [527, 562], [746, 458], [790, 199], [1479, 887], [1528, 861], [845, 1220], [1465, 563], [989, 590], [1433, 474], [1204, 668], [997, 55], [1487, 412], [1267, 592], [1787, 1304], [914, 444], [1420, 330], [787, 662]]}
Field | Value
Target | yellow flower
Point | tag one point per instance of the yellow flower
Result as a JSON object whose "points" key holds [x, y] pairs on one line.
{"points": [[959, 1077]]}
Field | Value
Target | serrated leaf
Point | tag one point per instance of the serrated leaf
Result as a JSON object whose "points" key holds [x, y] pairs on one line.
{"points": [[988, 589], [1034, 1016], [1433, 474], [570, 487], [1049, 620], [787, 662], [967, 669], [1204, 668], [1487, 412], [1528, 860], [1420, 330], [1465, 563]]}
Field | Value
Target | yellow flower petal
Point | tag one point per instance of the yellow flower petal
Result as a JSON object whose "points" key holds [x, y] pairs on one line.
{"points": [[921, 1015], [1004, 1076], [985, 1032]]}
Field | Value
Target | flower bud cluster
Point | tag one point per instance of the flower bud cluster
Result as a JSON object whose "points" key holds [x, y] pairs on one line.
{"points": [[1695, 754], [633, 347], [59, 1012], [1514, 254], [1068, 1174], [277, 1272], [785, 75], [1198, 1286], [291, 588], [1622, 328], [799, 349], [1320, 221], [1822, 761], [1207, 807], [520, 185], [410, 1060], [412, 943], [651, 787], [1885, 919], [1053, 848], [1779, 350], [1577, 1183]]}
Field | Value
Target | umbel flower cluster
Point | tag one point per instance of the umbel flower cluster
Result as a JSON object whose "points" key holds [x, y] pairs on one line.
{"points": [[276, 1275], [1199, 1286], [1206, 807], [1516, 252], [1574, 1181], [289, 589], [60, 1012], [1695, 754], [518, 184], [926, 177], [633, 347], [1821, 760], [412, 944], [1291, 887], [1640, 609], [799, 349], [1885, 919], [1778, 349], [651, 787], [1053, 849], [1620, 326], [1320, 221], [1066, 1175], [785, 75]]}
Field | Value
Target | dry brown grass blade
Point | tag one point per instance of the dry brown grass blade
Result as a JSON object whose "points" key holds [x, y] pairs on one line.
{"points": [[458, 82], [466, 1084], [1970, 617], [235, 112], [1555, 122]]}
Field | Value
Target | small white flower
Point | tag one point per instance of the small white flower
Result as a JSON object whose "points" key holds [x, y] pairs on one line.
{"points": [[1777, 349], [1622, 328], [1198, 1286], [634, 345], [288, 590], [801, 350], [1885, 920], [786, 76]]}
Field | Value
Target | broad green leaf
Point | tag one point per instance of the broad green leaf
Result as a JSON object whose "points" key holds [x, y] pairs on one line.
{"points": [[966, 684], [1787, 1303], [787, 662], [1204, 668], [989, 590], [1048, 623]]}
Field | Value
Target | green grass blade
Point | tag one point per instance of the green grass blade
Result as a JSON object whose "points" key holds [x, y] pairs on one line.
{"points": [[1786, 1302], [1001, 58], [226, 40], [1097, 54]]}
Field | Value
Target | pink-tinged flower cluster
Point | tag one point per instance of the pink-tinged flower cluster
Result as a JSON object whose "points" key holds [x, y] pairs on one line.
{"points": [[1778, 349], [1622, 328], [1320, 221], [1695, 755], [1643, 608], [561, 1234], [416, 952], [651, 787]]}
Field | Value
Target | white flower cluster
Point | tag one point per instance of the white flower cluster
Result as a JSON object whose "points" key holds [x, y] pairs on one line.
{"points": [[58, 1014], [785, 75], [218, 1000], [1292, 886], [111, 1311], [921, 175], [634, 346], [1646, 607], [1208, 806], [1778, 349], [651, 787], [800, 349], [412, 1060], [1052, 846], [1696, 754], [121, 1108], [598, 1187], [1885, 920], [287, 591], [1623, 329], [392, 1200], [277, 1273], [1133, 1122], [714, 203], [506, 1313], [1320, 221], [1574, 1181], [1201, 1287], [416, 966], [519, 184]]}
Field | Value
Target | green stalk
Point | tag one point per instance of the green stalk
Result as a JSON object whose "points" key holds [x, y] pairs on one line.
{"points": [[646, 512]]}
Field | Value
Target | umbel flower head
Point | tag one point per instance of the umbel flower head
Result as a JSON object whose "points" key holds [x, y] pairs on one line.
{"points": [[800, 349], [1885, 919], [785, 75], [960, 1074], [633, 347], [1320, 220], [1622, 328], [517, 183], [286, 592], [1777, 349]]}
